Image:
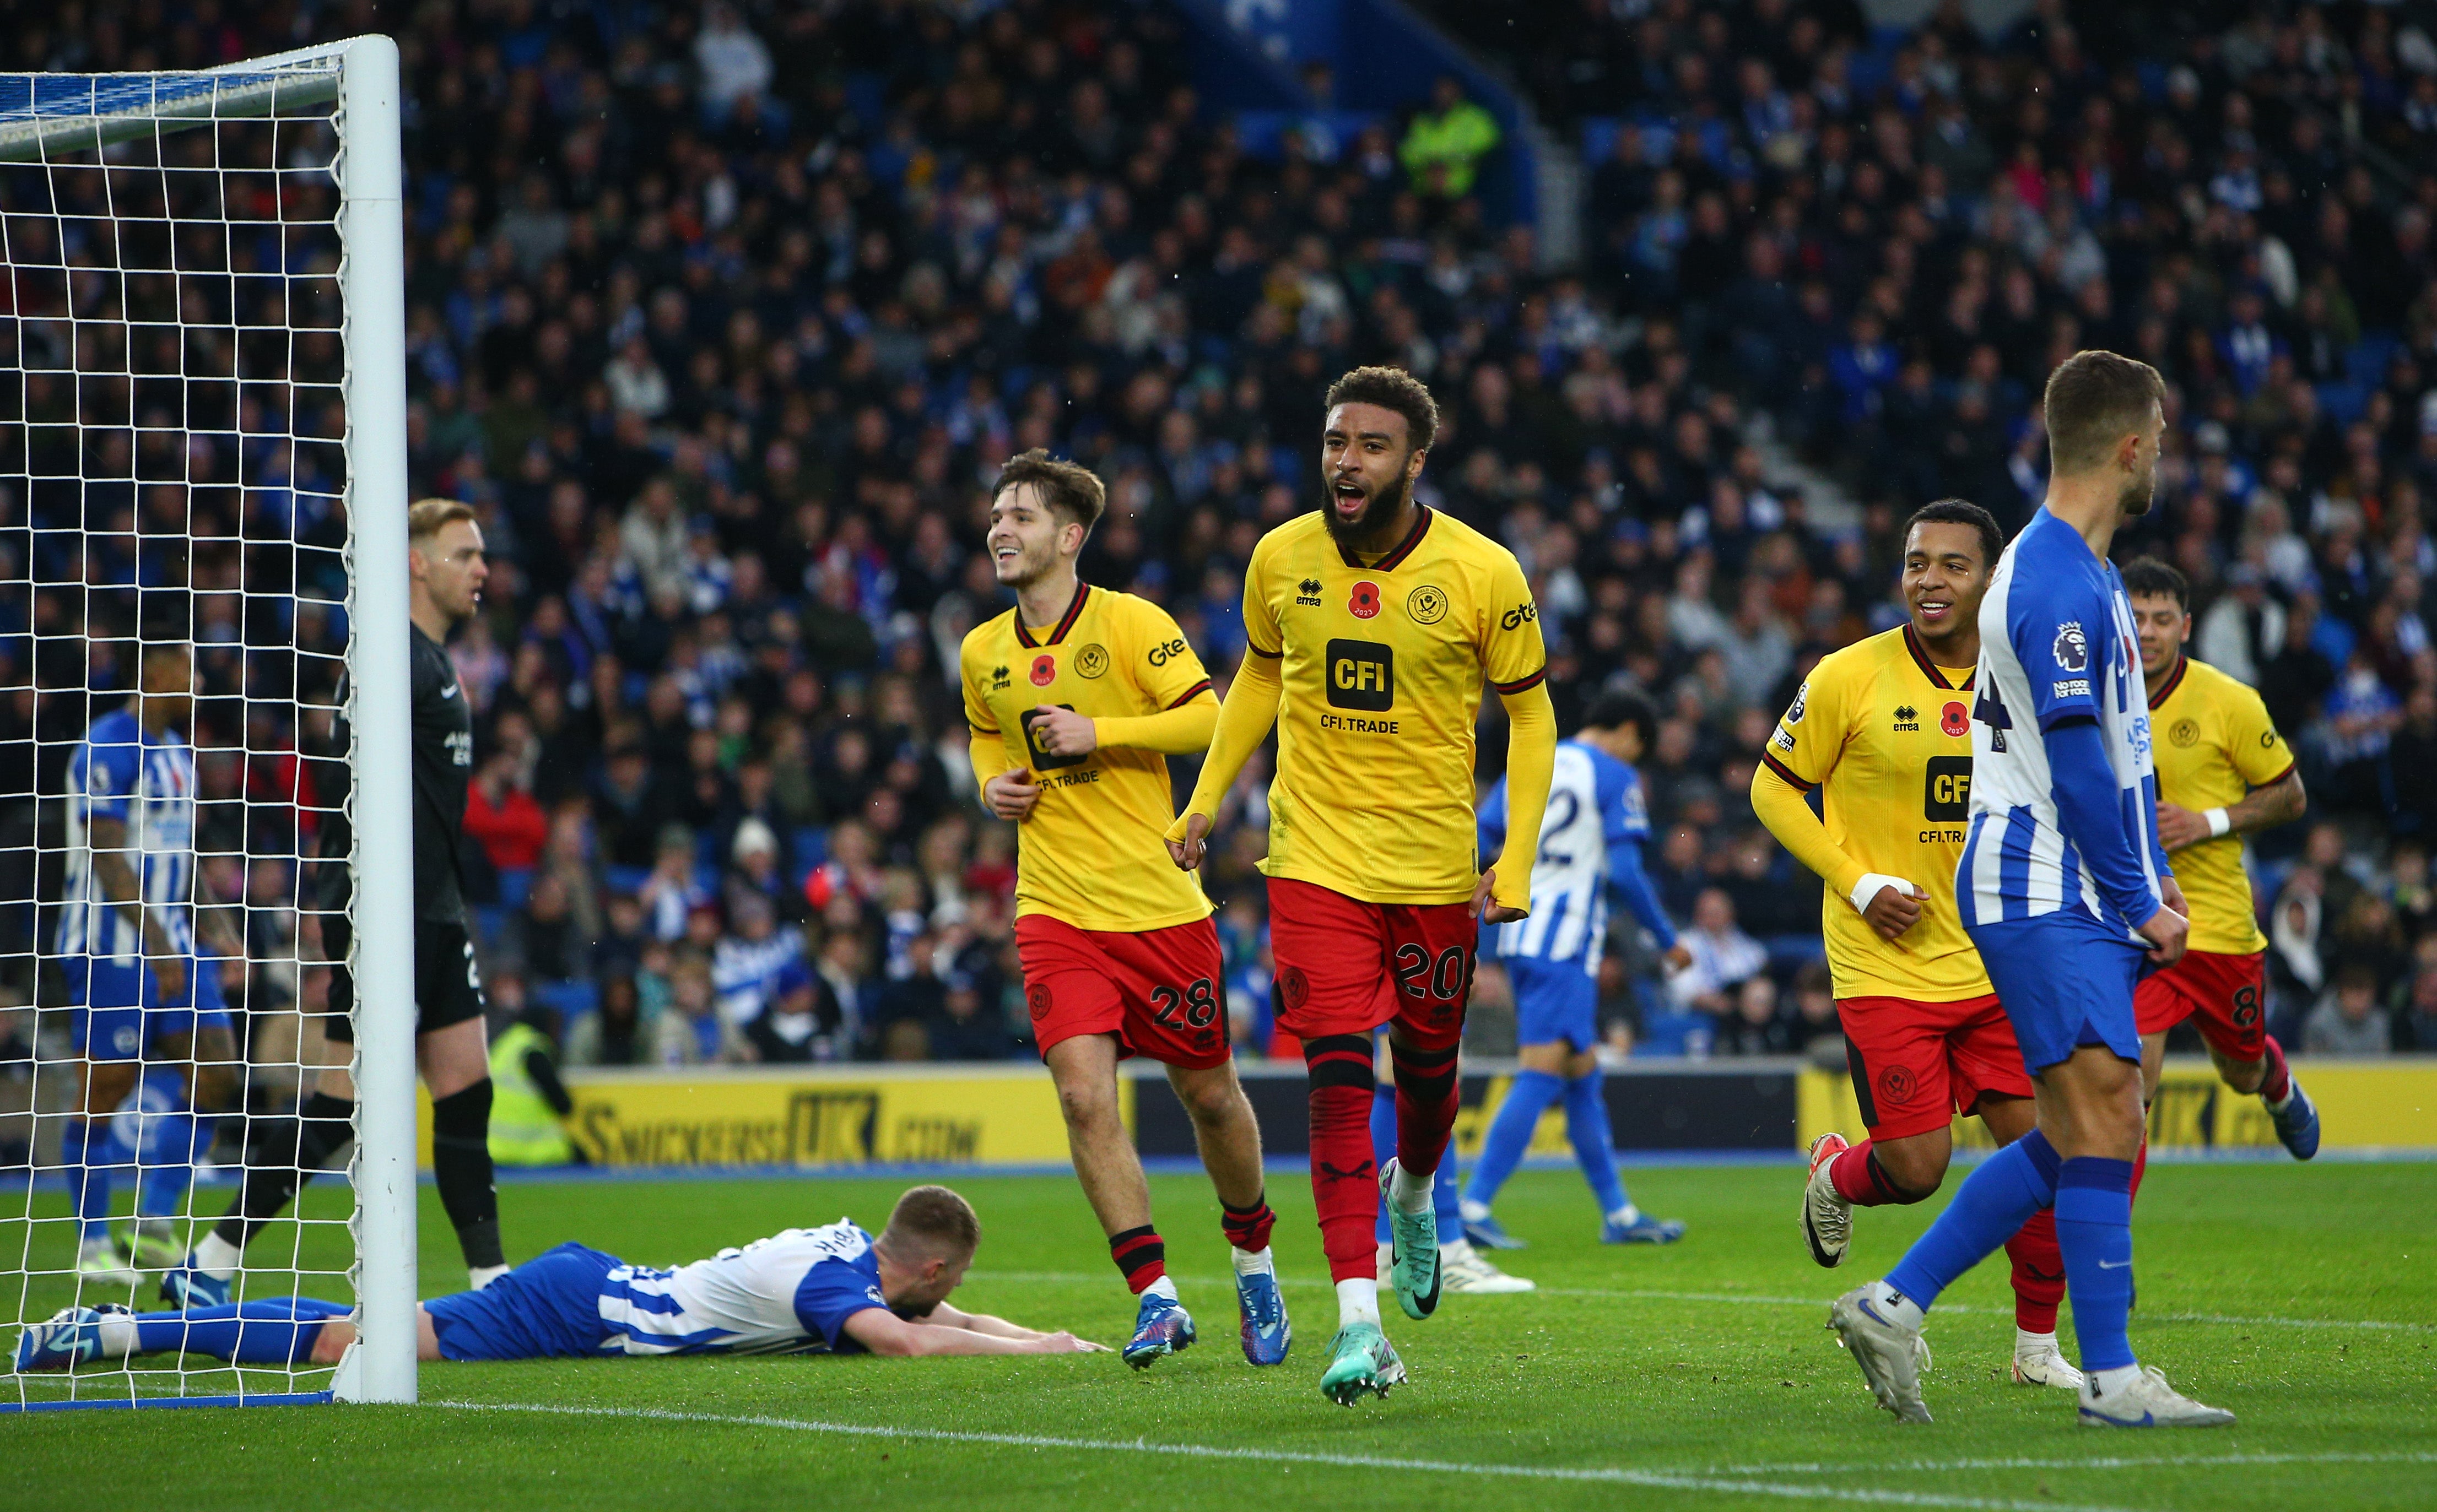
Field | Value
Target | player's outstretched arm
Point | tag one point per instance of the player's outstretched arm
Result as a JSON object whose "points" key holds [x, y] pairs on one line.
{"points": [[1184, 730], [884, 1332], [1244, 722], [1530, 761], [945, 1317]]}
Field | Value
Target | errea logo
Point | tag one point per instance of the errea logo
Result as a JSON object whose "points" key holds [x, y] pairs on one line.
{"points": [[1000, 678], [1907, 718], [1307, 593]]}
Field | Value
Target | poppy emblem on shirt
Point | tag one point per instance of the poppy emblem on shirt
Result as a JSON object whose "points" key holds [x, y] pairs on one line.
{"points": [[1955, 719], [1045, 669], [1365, 600]]}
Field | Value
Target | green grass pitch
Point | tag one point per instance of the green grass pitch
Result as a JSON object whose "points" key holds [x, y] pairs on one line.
{"points": [[1700, 1375]]}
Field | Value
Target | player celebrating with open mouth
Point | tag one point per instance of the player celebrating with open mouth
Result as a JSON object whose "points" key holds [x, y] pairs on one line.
{"points": [[1372, 624], [1882, 729], [1077, 697]]}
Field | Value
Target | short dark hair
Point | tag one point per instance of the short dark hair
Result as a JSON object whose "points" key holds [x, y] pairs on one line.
{"points": [[1067, 489], [2149, 578], [1619, 707], [934, 1220], [2095, 399], [1963, 511], [1392, 388]]}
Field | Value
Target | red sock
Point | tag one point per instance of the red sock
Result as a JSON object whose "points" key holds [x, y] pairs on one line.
{"points": [[2140, 1165], [2038, 1272], [1140, 1254], [1862, 1181], [1248, 1228], [1425, 1103], [1345, 1182], [2278, 1080]]}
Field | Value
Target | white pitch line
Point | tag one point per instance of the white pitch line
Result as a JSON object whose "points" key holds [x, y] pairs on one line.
{"points": [[2110, 1463], [1661, 1480], [1751, 1299]]}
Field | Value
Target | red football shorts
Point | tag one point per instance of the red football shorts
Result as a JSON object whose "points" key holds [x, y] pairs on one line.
{"points": [[2228, 991], [1162, 992], [1345, 966], [1916, 1064]]}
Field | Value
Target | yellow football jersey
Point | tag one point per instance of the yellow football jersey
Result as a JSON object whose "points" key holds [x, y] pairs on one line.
{"points": [[2214, 742], [1380, 682], [1886, 735], [1091, 852]]}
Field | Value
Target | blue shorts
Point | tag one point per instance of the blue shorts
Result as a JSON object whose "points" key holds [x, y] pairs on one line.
{"points": [[119, 1012], [1554, 1000], [546, 1308], [2066, 981]]}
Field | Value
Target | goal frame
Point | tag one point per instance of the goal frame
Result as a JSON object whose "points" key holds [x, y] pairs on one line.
{"points": [[381, 1365]]}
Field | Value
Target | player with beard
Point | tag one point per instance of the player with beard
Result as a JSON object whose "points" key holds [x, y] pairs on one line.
{"points": [[1077, 697], [1881, 730], [1372, 625], [2064, 888], [445, 571]]}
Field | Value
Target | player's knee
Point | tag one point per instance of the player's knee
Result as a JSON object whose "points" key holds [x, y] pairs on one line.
{"points": [[1088, 1105], [2242, 1076], [1212, 1098], [1912, 1175], [463, 1116]]}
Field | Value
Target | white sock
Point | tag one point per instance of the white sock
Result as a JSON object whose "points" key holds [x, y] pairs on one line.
{"points": [[1411, 1190], [1254, 1261], [1358, 1301], [2281, 1106], [117, 1337], [1474, 1212], [1164, 1286], [1895, 1306], [2028, 1345], [1626, 1216], [217, 1258], [479, 1277], [2108, 1382]]}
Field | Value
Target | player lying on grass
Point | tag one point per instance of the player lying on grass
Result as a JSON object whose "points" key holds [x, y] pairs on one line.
{"points": [[1881, 730], [1075, 697], [832, 1290], [2222, 771]]}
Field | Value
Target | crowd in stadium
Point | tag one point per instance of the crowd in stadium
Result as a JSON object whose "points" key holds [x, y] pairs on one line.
{"points": [[723, 317]]}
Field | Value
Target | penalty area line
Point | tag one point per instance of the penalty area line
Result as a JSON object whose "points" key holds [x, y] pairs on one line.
{"points": [[1746, 1299], [1661, 1480]]}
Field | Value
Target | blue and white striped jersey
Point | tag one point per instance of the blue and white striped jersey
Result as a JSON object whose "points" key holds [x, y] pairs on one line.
{"points": [[792, 1291], [1591, 839], [2057, 648], [147, 784]]}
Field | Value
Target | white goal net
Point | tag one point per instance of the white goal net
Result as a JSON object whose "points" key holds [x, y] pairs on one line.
{"points": [[201, 406]]}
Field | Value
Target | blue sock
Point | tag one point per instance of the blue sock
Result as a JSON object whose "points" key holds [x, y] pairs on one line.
{"points": [[178, 1139], [254, 1334], [1510, 1133], [1992, 1202], [84, 1152], [2093, 1224], [1383, 1141], [1594, 1146], [1444, 1200]]}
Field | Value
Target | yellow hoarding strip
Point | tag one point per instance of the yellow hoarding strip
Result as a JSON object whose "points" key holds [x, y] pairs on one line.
{"points": [[2362, 1104]]}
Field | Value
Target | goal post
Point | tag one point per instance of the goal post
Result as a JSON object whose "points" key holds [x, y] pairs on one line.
{"points": [[191, 457]]}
